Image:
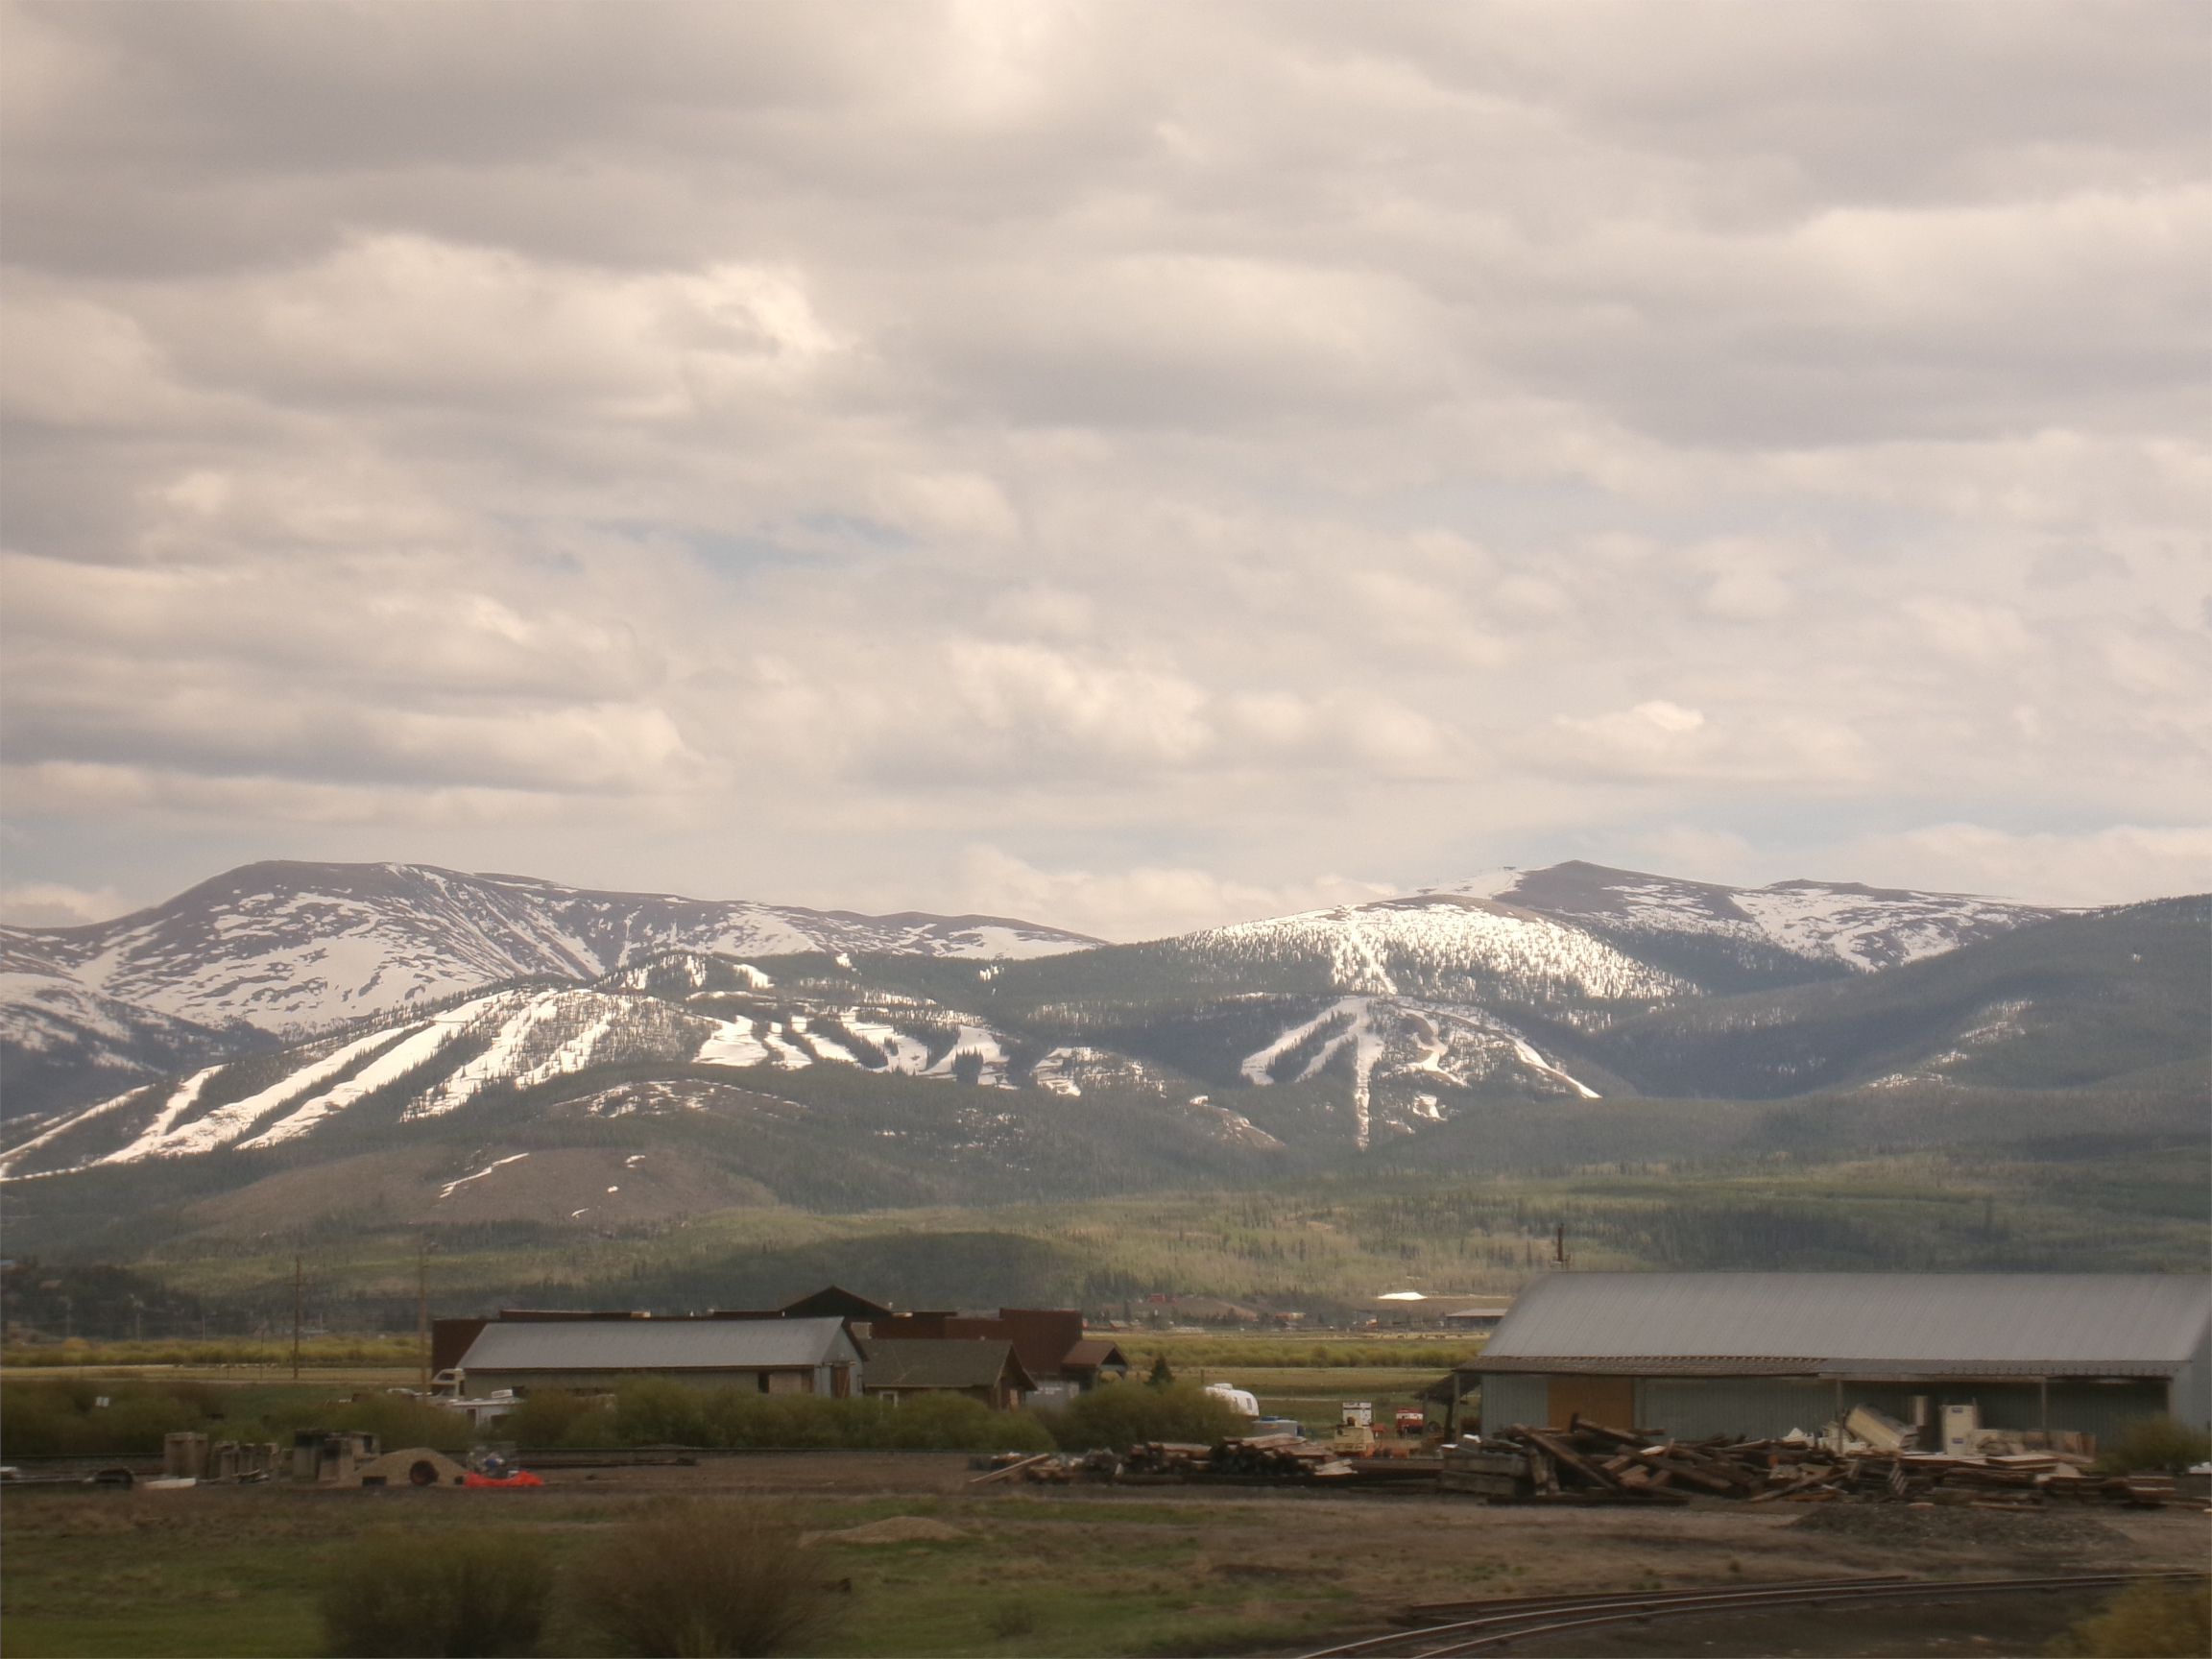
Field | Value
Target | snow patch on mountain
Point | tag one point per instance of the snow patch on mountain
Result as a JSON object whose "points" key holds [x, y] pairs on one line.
{"points": [[1371, 947], [1391, 1038], [290, 948], [1863, 927]]}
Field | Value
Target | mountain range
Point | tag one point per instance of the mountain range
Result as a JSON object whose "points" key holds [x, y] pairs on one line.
{"points": [[434, 1048]]}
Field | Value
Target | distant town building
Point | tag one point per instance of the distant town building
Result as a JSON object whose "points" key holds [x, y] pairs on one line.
{"points": [[979, 1370]]}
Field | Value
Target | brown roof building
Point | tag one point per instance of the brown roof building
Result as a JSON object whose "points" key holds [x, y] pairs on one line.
{"points": [[979, 1370]]}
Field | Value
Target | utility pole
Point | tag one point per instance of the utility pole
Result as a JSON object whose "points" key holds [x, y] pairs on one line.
{"points": [[422, 1312], [298, 1282]]}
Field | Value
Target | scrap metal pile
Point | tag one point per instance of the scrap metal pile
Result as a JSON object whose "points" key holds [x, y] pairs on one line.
{"points": [[1589, 1462]]}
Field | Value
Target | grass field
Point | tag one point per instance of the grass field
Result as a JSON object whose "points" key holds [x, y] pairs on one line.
{"points": [[113, 1577], [236, 1571]]}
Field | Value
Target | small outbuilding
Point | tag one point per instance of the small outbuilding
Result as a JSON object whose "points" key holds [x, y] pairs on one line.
{"points": [[987, 1371], [773, 1356], [1757, 1354]]}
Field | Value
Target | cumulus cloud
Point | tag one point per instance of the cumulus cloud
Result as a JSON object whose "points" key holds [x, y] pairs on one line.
{"points": [[1145, 903], [1400, 441]]}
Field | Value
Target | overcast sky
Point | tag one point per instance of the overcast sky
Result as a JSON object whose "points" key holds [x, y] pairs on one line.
{"points": [[1128, 464]]}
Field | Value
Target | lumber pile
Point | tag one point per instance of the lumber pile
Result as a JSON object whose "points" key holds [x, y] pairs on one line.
{"points": [[1590, 1463]]}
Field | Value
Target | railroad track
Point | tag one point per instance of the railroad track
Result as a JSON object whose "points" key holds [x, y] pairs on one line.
{"points": [[1494, 1624]]}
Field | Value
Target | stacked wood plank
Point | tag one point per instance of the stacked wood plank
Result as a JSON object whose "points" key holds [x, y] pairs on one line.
{"points": [[1590, 1463]]}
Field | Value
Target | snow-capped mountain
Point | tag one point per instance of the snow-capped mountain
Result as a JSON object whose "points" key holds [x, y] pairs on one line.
{"points": [[1430, 1029], [291, 949], [1862, 927]]}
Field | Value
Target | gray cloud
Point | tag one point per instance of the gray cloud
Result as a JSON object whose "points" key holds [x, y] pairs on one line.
{"points": [[1144, 464]]}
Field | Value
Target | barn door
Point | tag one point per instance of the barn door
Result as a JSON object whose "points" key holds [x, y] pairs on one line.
{"points": [[1607, 1400]]}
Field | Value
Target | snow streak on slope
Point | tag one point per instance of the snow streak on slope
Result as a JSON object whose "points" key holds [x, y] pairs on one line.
{"points": [[1389, 1037], [511, 1040], [227, 1123]]}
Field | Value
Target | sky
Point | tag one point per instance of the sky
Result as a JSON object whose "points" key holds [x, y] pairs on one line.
{"points": [[1128, 466]]}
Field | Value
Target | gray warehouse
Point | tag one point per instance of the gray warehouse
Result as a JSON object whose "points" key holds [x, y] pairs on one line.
{"points": [[774, 1355], [1757, 1354]]}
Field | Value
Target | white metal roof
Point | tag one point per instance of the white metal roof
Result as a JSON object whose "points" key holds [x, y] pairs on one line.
{"points": [[657, 1344], [2076, 1322]]}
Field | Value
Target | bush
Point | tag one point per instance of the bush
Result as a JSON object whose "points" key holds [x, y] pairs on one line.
{"points": [[656, 1411], [455, 1594], [2147, 1620], [2154, 1443], [700, 1581], [1119, 1415]]}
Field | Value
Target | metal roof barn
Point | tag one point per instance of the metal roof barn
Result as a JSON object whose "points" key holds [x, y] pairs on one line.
{"points": [[797, 1356], [2135, 1324], [1753, 1346]]}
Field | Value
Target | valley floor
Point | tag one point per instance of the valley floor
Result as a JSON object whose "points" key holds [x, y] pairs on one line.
{"points": [[232, 1571]]}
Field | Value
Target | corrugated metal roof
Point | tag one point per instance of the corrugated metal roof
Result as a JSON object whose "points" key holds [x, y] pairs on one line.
{"points": [[914, 1362], [2052, 1323], [658, 1345], [1762, 1365]]}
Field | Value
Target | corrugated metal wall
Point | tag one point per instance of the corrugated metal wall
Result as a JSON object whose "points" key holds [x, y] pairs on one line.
{"points": [[2193, 1389], [1510, 1398], [1767, 1407]]}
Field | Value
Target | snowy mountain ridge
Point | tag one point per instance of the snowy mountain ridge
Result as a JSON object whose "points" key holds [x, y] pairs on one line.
{"points": [[1862, 927], [279, 953], [288, 946]]}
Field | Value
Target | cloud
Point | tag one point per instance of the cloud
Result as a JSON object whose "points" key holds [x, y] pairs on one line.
{"points": [[1143, 902], [51, 905], [1307, 437], [2114, 866]]}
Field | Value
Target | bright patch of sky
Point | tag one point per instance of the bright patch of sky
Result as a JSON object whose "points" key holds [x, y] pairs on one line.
{"points": [[1131, 465]]}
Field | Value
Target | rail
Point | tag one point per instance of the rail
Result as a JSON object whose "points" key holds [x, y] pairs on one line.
{"points": [[1525, 1619]]}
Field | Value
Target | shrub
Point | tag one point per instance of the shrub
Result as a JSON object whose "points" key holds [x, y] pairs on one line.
{"points": [[395, 1594], [2147, 1620], [1118, 1416], [657, 1411], [701, 1581], [2154, 1443], [557, 1417]]}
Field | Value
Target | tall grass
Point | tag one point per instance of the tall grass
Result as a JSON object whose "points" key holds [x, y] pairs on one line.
{"points": [[314, 1352]]}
